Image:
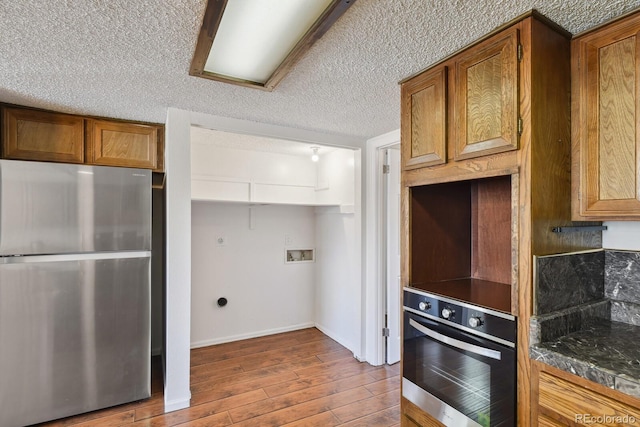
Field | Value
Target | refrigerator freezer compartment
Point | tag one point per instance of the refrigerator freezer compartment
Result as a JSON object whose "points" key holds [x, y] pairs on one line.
{"points": [[50, 208]]}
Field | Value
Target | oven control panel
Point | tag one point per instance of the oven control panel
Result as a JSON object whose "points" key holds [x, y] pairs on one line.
{"points": [[465, 316]]}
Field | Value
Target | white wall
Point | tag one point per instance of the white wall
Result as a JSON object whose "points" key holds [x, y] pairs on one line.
{"points": [[336, 178], [338, 285], [339, 288], [178, 257], [265, 295], [220, 173], [621, 235]]}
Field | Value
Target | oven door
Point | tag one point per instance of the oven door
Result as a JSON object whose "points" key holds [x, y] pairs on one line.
{"points": [[458, 378]]}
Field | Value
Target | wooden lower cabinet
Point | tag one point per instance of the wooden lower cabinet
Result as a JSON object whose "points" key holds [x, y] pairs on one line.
{"points": [[563, 399], [412, 416]]}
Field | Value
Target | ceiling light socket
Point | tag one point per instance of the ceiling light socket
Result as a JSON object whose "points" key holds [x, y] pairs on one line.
{"points": [[315, 157]]}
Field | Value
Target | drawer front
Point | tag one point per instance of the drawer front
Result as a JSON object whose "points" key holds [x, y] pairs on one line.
{"points": [[581, 406]]}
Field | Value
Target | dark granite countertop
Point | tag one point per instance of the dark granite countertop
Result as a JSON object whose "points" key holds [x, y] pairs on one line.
{"points": [[587, 316], [602, 351]]}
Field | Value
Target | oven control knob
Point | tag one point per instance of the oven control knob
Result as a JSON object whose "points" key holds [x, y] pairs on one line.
{"points": [[447, 313], [475, 322], [424, 305]]}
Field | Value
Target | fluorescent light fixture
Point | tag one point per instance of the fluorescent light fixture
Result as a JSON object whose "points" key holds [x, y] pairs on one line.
{"points": [[254, 43]]}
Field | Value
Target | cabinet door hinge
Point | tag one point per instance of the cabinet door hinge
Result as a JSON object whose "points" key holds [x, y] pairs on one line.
{"points": [[385, 332], [385, 168], [520, 53], [520, 125]]}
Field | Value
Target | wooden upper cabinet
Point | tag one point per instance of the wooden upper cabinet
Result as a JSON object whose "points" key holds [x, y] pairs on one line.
{"points": [[605, 110], [30, 134], [40, 135], [424, 120], [465, 107], [122, 144], [486, 97]]}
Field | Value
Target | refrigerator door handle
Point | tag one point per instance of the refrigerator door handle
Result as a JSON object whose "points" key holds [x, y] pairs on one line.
{"points": [[25, 259]]}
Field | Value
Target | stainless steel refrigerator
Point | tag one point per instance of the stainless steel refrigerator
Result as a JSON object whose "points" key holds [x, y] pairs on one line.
{"points": [[75, 245]]}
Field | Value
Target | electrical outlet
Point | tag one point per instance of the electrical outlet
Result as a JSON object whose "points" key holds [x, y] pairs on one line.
{"points": [[287, 240]]}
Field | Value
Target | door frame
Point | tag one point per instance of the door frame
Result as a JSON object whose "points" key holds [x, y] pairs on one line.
{"points": [[375, 257]]}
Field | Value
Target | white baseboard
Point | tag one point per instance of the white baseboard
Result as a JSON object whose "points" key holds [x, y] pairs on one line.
{"points": [[336, 337], [265, 332], [177, 404]]}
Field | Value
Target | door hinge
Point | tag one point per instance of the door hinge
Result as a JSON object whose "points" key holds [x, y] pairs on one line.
{"points": [[385, 332], [520, 53], [520, 125], [385, 169]]}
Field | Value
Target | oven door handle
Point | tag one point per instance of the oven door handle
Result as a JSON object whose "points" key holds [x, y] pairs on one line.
{"points": [[481, 351]]}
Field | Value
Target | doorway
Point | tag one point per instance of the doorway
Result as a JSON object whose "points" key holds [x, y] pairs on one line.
{"points": [[381, 321], [391, 251], [178, 241]]}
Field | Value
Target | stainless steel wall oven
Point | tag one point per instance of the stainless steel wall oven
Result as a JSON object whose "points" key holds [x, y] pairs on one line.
{"points": [[459, 362]]}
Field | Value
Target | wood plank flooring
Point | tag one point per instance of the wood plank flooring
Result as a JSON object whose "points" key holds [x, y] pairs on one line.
{"points": [[294, 379]]}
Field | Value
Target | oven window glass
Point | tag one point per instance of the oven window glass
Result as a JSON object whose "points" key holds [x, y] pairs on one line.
{"points": [[480, 387]]}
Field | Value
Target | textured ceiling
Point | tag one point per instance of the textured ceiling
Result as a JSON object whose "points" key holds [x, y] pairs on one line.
{"points": [[130, 59]]}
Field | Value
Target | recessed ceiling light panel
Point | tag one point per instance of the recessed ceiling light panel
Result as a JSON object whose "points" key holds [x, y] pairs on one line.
{"points": [[254, 43]]}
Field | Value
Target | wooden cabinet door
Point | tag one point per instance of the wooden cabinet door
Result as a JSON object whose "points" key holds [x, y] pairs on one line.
{"points": [[424, 120], [122, 144], [40, 135], [486, 97], [606, 69]]}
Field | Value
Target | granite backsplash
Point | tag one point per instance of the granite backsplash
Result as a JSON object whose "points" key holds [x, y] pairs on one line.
{"points": [[564, 281], [570, 280], [587, 316], [622, 285]]}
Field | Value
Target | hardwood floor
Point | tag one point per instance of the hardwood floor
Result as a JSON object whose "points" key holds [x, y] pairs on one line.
{"points": [[294, 379]]}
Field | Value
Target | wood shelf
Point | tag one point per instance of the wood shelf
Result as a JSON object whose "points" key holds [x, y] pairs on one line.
{"points": [[461, 235], [485, 293]]}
